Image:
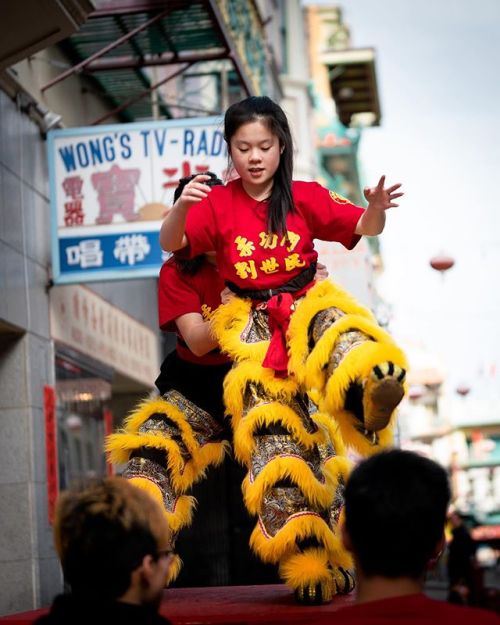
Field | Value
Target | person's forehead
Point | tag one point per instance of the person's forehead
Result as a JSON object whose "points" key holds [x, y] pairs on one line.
{"points": [[254, 131]]}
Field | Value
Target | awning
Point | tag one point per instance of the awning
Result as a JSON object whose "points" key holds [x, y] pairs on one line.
{"points": [[31, 25], [122, 39], [354, 86]]}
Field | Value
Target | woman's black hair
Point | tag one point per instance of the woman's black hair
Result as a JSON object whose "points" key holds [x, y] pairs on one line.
{"points": [[192, 265], [263, 108]]}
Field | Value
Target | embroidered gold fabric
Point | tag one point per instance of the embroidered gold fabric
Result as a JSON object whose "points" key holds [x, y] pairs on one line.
{"points": [[323, 320], [279, 504], [205, 428], [343, 345], [272, 446], [256, 395], [159, 423], [257, 328], [326, 451], [149, 470]]}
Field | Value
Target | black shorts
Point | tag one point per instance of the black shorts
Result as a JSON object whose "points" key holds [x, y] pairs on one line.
{"points": [[201, 384]]}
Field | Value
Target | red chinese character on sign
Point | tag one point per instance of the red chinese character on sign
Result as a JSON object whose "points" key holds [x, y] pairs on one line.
{"points": [[170, 172], [73, 187], [73, 213], [73, 209], [116, 193]]}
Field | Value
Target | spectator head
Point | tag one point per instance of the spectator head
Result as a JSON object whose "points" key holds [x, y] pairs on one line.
{"points": [[395, 512], [112, 536]]}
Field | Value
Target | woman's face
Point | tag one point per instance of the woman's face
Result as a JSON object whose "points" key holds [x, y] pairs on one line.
{"points": [[255, 152]]}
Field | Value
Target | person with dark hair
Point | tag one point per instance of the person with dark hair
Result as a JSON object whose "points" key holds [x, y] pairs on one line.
{"points": [[395, 513], [114, 548], [462, 572], [291, 340]]}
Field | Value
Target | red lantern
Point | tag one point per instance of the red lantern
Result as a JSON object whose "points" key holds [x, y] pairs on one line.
{"points": [[442, 262], [463, 390]]}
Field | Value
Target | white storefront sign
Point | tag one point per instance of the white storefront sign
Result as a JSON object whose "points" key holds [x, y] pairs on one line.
{"points": [[110, 186], [82, 320]]}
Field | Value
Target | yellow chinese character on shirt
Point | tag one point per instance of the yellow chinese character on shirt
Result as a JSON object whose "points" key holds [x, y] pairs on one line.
{"points": [[340, 199], [293, 261], [206, 312], [246, 269], [269, 265], [290, 240], [268, 240], [244, 246]]}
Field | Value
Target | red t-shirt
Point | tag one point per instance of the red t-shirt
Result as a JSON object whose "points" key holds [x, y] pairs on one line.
{"points": [[179, 294], [412, 610], [233, 224]]}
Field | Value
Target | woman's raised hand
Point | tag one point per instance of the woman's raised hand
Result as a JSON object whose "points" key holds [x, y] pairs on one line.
{"points": [[380, 198], [193, 192]]}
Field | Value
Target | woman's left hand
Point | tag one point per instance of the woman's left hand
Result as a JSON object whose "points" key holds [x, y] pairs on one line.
{"points": [[381, 199]]}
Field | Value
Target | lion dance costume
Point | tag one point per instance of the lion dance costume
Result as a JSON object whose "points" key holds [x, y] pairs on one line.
{"points": [[295, 451]]}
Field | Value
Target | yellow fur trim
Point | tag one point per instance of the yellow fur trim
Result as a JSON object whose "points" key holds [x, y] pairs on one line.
{"points": [[308, 568], [321, 296], [154, 491], [357, 366], [183, 474], [338, 468], [267, 414], [183, 512], [299, 472], [146, 409], [174, 570], [299, 526], [211, 454], [354, 439], [315, 367], [228, 323], [235, 383], [332, 432]]}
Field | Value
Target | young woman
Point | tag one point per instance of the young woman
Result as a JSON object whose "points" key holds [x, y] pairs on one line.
{"points": [[290, 338]]}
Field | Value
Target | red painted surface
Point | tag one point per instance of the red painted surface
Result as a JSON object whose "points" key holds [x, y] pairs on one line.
{"points": [[229, 604]]}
